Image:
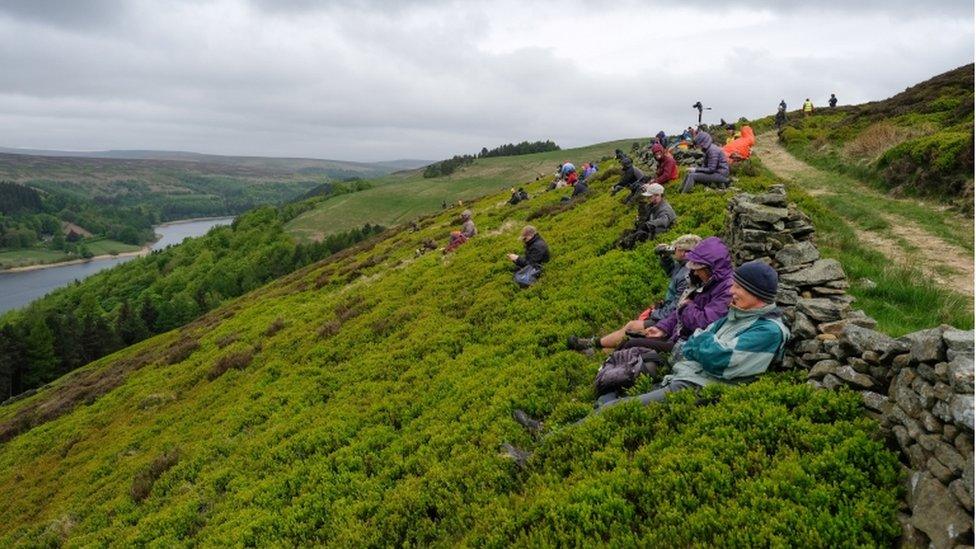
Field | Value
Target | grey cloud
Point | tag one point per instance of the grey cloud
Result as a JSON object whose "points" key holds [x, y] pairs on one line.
{"points": [[351, 80], [71, 14]]}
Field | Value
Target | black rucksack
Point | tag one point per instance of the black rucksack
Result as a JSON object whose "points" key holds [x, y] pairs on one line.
{"points": [[620, 370]]}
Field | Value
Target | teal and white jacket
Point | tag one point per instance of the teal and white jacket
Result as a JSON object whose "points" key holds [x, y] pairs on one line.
{"points": [[741, 344]]}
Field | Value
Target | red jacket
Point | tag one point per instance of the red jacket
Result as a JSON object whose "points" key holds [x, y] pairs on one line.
{"points": [[667, 168]]}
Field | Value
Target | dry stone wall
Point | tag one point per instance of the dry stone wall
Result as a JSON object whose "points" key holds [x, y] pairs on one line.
{"points": [[919, 387]]}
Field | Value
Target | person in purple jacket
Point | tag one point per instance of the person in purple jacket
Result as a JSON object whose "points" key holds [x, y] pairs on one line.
{"points": [[705, 301], [714, 169]]}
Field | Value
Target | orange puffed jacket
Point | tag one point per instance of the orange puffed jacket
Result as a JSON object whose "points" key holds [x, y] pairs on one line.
{"points": [[741, 148]]}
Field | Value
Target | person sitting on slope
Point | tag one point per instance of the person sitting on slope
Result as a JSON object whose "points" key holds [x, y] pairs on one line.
{"points": [[741, 148], [674, 265], [654, 216], [467, 227], [714, 168], [704, 300], [735, 348], [631, 179], [667, 168]]}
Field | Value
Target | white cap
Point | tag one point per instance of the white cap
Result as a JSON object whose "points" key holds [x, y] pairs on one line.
{"points": [[652, 189]]}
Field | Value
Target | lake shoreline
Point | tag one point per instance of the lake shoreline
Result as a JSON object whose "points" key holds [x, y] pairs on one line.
{"points": [[39, 266], [146, 248]]}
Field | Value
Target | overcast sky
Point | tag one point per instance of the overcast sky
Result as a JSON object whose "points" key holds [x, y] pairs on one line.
{"points": [[378, 80]]}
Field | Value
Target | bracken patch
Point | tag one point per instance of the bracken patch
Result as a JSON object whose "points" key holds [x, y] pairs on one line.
{"points": [[237, 360]]}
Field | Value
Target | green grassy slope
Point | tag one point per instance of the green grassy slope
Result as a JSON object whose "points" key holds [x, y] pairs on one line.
{"points": [[404, 196], [918, 142], [362, 401]]}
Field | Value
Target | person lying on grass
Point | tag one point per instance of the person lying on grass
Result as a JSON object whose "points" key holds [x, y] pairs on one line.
{"points": [[734, 349]]}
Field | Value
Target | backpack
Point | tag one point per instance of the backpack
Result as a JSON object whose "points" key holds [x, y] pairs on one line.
{"points": [[526, 276], [620, 370]]}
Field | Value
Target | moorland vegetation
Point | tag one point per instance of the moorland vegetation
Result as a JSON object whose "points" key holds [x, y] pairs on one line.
{"points": [[918, 142], [362, 400], [154, 294]]}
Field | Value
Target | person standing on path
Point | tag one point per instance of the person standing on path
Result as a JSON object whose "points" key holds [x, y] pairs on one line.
{"points": [[807, 107]]}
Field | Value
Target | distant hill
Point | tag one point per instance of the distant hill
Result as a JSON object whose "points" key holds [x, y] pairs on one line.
{"points": [[403, 164], [919, 141], [336, 169], [405, 195]]}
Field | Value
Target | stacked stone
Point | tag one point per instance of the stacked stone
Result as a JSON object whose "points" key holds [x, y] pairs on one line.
{"points": [[687, 157], [919, 387], [812, 289], [929, 412]]}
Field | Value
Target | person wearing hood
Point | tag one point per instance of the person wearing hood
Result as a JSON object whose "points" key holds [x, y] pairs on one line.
{"points": [[631, 179], [706, 299], [741, 148], [672, 260], [736, 347], [467, 227], [714, 168], [667, 168], [833, 101], [654, 216]]}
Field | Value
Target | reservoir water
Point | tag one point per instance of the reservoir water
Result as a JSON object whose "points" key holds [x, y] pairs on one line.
{"points": [[20, 288]]}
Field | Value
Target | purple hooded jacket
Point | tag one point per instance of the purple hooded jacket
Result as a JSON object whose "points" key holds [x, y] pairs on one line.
{"points": [[710, 301], [715, 159]]}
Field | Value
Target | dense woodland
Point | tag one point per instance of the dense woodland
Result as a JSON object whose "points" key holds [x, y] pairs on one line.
{"points": [[154, 294], [29, 218], [33, 214], [449, 166]]}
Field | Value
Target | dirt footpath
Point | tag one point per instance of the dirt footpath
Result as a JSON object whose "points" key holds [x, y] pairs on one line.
{"points": [[930, 251]]}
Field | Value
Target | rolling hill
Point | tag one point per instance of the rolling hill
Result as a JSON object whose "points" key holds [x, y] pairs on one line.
{"points": [[918, 142], [335, 169], [403, 196], [362, 401]]}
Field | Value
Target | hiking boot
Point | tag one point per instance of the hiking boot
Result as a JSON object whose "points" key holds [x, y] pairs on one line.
{"points": [[519, 456], [580, 343], [533, 426]]}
